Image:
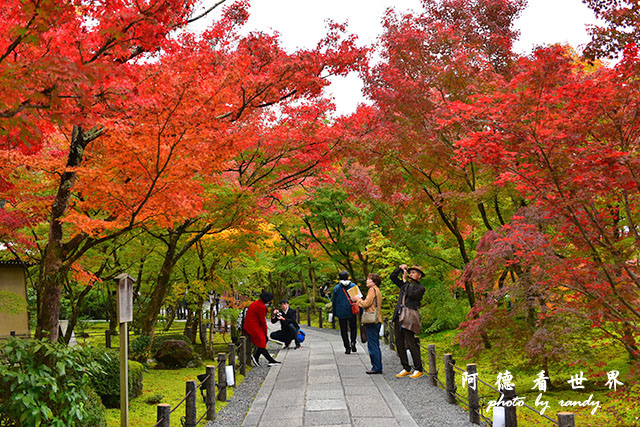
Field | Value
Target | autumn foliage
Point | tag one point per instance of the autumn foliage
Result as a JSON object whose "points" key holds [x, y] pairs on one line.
{"points": [[565, 135], [514, 179]]}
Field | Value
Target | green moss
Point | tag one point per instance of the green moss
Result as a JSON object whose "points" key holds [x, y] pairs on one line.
{"points": [[615, 407], [171, 384]]}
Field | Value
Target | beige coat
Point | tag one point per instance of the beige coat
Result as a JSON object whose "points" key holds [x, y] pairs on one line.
{"points": [[369, 302]]}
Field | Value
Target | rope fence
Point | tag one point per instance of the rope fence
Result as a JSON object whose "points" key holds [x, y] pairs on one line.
{"points": [[473, 402], [210, 389]]}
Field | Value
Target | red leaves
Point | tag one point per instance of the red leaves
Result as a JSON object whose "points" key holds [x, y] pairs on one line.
{"points": [[566, 136]]}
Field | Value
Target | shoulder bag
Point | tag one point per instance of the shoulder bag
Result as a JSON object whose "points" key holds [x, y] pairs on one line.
{"points": [[371, 317], [409, 318], [355, 308]]}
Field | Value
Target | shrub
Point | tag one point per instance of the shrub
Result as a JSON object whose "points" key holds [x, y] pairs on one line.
{"points": [[302, 302], [154, 399], [443, 311], [140, 349], [107, 385], [43, 383], [96, 415]]}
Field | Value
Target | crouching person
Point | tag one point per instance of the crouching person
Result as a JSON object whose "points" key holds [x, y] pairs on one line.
{"points": [[288, 319]]}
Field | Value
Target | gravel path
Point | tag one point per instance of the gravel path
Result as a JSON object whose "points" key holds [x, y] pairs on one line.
{"points": [[426, 404]]}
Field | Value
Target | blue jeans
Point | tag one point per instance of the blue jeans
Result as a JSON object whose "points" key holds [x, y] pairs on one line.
{"points": [[373, 344]]}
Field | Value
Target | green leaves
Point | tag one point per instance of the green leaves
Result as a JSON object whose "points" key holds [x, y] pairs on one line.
{"points": [[34, 394]]}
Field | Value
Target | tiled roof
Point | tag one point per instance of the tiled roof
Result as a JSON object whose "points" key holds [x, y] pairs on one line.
{"points": [[14, 262]]}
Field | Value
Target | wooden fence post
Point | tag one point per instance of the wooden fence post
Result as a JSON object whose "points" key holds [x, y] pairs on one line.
{"points": [[232, 360], [308, 315], [566, 419], [472, 388], [510, 416], [247, 350], [385, 335], [222, 377], [211, 393], [320, 318], [107, 339], [298, 316], [392, 336], [433, 370], [190, 404], [243, 356], [163, 415], [450, 376]]}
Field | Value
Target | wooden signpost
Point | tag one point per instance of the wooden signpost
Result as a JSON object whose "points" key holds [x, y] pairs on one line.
{"points": [[125, 315]]}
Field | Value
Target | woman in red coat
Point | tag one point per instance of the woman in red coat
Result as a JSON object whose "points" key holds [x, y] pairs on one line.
{"points": [[255, 326]]}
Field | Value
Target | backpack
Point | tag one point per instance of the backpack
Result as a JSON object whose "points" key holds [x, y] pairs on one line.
{"points": [[301, 335], [240, 321]]}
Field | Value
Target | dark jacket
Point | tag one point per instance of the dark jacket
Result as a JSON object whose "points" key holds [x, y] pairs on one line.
{"points": [[340, 305], [290, 318], [412, 289]]}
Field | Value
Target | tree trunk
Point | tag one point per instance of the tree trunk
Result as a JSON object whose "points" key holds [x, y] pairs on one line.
{"points": [[545, 368], [312, 295], [305, 288], [162, 287], [54, 269], [171, 318], [211, 329], [190, 327]]}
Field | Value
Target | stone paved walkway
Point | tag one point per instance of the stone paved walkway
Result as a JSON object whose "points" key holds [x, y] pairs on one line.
{"points": [[319, 385]]}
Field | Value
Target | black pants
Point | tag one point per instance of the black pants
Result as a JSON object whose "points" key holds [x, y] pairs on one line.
{"points": [[263, 351], [348, 326], [405, 339], [286, 336]]}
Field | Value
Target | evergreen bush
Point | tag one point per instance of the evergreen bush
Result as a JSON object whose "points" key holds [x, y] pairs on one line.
{"points": [[140, 349], [107, 384], [43, 384]]}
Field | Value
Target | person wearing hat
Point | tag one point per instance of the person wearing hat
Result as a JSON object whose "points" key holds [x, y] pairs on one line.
{"points": [[288, 319], [411, 293], [341, 308], [255, 326]]}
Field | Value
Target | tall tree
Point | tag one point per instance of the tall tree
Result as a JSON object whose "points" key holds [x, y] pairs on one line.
{"points": [[566, 134], [131, 130], [452, 51], [619, 27]]}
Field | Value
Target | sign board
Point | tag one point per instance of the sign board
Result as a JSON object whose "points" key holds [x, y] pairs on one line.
{"points": [[125, 298]]}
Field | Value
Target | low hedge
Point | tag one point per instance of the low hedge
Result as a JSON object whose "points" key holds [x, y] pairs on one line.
{"points": [[107, 385]]}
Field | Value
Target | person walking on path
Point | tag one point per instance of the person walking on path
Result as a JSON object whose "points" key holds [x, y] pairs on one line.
{"points": [[288, 319], [255, 326], [373, 304], [411, 293], [341, 308]]}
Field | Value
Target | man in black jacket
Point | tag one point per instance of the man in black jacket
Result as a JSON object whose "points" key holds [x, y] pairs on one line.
{"points": [[288, 319], [411, 292]]}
